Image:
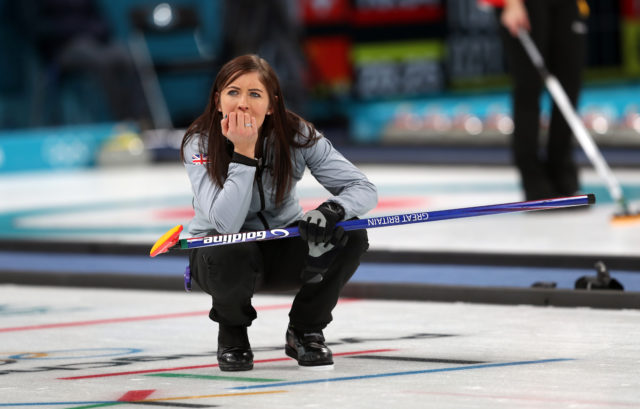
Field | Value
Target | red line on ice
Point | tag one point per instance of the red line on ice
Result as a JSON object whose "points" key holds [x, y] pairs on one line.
{"points": [[180, 368], [140, 318]]}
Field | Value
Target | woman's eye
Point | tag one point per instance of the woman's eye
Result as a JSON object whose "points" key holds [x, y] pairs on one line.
{"points": [[256, 94], [232, 92]]}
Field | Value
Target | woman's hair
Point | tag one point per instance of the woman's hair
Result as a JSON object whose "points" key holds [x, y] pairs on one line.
{"points": [[280, 128]]}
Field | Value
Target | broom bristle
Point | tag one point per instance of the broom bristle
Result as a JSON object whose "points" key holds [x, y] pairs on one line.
{"points": [[625, 215], [168, 240]]}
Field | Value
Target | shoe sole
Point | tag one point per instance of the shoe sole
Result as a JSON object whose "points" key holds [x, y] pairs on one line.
{"points": [[235, 368], [317, 368], [314, 367]]}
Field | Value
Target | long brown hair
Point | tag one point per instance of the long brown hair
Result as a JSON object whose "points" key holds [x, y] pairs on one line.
{"points": [[280, 128]]}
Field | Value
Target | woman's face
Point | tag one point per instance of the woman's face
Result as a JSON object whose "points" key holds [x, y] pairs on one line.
{"points": [[246, 94]]}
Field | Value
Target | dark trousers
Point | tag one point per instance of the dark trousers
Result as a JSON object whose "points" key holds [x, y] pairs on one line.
{"points": [[231, 274], [555, 29]]}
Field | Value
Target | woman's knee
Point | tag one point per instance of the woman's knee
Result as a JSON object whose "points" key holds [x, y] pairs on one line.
{"points": [[219, 269], [358, 242]]}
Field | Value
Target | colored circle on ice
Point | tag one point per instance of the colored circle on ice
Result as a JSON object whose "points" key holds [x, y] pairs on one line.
{"points": [[76, 353]]}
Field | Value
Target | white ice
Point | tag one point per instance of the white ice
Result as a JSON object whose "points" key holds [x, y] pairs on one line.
{"points": [[388, 354]]}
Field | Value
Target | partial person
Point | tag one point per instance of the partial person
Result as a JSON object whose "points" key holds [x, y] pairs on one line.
{"points": [[244, 156], [73, 39], [272, 29], [559, 30]]}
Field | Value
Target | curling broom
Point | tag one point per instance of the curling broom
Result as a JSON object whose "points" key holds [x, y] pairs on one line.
{"points": [[579, 130], [171, 239]]}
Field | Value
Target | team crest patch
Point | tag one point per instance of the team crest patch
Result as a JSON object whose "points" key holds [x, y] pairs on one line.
{"points": [[198, 159]]}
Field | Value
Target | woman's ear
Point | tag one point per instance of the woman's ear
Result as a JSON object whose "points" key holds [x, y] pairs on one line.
{"points": [[270, 111], [216, 99]]}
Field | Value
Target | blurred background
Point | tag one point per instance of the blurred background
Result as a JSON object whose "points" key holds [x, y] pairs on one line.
{"points": [[110, 85], [387, 78]]}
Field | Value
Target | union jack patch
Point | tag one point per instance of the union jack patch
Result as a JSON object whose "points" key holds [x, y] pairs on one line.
{"points": [[198, 159]]}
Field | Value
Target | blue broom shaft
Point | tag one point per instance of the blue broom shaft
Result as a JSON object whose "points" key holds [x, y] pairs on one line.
{"points": [[394, 220], [436, 215]]}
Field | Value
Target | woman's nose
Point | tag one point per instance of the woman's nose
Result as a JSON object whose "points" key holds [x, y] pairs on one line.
{"points": [[242, 103]]}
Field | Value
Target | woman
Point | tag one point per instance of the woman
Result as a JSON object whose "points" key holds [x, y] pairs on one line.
{"points": [[244, 156]]}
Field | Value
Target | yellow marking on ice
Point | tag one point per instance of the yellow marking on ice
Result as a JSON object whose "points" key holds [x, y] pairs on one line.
{"points": [[31, 355]]}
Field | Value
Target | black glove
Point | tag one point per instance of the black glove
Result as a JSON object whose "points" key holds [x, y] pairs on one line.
{"points": [[317, 225], [324, 240]]}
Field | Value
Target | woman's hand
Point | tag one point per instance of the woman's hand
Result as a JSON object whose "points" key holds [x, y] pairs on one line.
{"points": [[241, 129], [515, 17]]}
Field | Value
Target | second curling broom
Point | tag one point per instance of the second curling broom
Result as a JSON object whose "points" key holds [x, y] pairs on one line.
{"points": [[624, 213]]}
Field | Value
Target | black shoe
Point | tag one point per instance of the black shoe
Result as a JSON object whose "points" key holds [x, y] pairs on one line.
{"points": [[234, 351], [235, 358], [308, 348]]}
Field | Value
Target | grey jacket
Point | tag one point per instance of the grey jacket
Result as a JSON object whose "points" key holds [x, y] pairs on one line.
{"points": [[240, 206]]}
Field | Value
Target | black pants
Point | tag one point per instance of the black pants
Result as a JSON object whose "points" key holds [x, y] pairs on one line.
{"points": [[559, 32], [231, 274]]}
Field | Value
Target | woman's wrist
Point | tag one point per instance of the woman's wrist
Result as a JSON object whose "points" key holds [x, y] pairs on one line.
{"points": [[248, 152]]}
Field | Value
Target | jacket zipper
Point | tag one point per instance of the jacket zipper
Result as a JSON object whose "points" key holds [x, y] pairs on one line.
{"points": [[261, 191]]}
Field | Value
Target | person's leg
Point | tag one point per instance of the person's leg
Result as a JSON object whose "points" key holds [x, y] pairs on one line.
{"points": [[283, 261], [230, 275], [312, 306], [314, 302], [526, 90], [566, 60]]}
